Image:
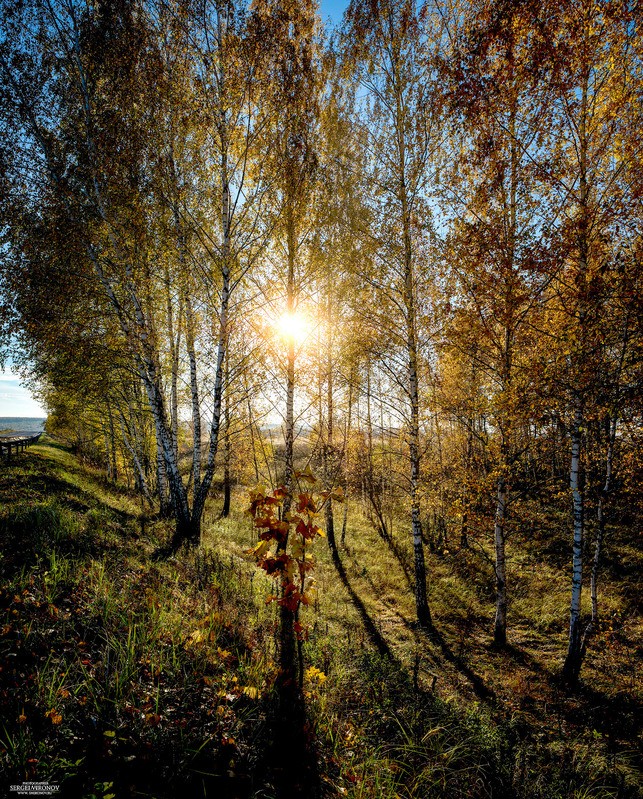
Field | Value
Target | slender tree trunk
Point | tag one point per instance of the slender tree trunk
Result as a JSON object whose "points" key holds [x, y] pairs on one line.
{"points": [[290, 363], [188, 529], [346, 455], [500, 623], [574, 658], [194, 394], [329, 476], [506, 421], [370, 479], [571, 668], [227, 488], [421, 602], [200, 496], [138, 470], [186, 302], [161, 482], [174, 364]]}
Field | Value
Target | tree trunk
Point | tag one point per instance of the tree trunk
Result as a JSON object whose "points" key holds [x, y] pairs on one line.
{"points": [[573, 661], [141, 481], [329, 450], [174, 365], [346, 455], [421, 602], [227, 488], [161, 483], [194, 394]]}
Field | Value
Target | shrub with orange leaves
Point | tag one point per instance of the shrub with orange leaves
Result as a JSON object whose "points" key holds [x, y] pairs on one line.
{"points": [[286, 539]]}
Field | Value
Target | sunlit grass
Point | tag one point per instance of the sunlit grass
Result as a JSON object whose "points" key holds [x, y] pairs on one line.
{"points": [[145, 649]]}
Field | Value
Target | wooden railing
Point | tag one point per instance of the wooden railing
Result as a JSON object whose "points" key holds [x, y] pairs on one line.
{"points": [[16, 442]]}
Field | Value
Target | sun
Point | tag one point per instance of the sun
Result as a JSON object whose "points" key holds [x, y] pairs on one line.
{"points": [[293, 327]]}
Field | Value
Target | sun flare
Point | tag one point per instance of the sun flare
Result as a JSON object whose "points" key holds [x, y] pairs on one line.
{"points": [[292, 327]]}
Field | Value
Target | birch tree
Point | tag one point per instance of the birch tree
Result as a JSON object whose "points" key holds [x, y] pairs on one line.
{"points": [[387, 47], [88, 121], [596, 92], [503, 231]]}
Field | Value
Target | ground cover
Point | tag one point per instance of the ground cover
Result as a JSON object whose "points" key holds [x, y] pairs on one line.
{"points": [[123, 674]]}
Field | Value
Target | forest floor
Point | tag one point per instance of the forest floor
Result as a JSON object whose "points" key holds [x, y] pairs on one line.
{"points": [[124, 675]]}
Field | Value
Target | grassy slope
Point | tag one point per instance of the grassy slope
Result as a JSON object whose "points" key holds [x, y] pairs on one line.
{"points": [[122, 676]]}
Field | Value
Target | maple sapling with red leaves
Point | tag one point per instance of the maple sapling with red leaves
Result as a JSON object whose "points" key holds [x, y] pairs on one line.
{"points": [[285, 544]]}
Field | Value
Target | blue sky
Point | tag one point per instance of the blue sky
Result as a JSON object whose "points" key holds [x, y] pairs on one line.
{"points": [[333, 9], [16, 400]]}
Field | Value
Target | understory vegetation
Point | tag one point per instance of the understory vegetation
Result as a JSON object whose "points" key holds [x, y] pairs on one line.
{"points": [[128, 675]]}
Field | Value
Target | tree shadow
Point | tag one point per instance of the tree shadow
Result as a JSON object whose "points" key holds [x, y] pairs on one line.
{"points": [[293, 766], [521, 657], [370, 627], [437, 638], [433, 635]]}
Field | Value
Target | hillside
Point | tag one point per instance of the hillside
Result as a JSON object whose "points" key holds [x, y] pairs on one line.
{"points": [[125, 674]]}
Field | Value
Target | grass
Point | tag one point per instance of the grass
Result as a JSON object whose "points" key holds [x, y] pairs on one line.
{"points": [[127, 677]]}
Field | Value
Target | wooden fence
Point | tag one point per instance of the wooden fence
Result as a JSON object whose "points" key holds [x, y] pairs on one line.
{"points": [[16, 442]]}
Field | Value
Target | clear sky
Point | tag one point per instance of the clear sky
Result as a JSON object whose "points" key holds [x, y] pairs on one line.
{"points": [[16, 400], [333, 9]]}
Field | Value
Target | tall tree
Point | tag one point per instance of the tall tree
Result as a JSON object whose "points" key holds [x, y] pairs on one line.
{"points": [[388, 49], [598, 70], [503, 231], [91, 117]]}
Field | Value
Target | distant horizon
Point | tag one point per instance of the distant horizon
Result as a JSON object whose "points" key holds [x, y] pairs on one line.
{"points": [[14, 416]]}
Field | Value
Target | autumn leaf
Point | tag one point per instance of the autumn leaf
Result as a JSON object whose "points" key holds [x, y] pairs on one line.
{"points": [[197, 637], [260, 550], [307, 476], [54, 716]]}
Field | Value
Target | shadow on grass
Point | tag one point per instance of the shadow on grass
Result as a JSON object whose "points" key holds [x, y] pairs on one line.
{"points": [[63, 457], [479, 688], [370, 627], [434, 635], [398, 553], [41, 512]]}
